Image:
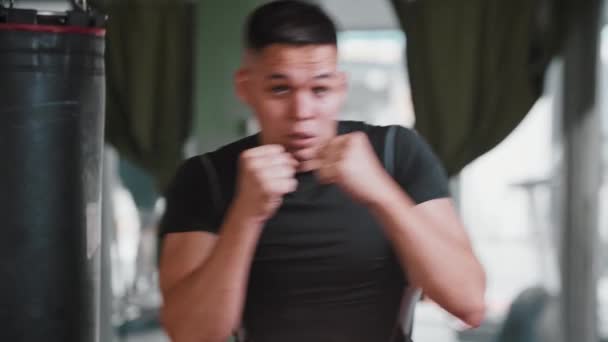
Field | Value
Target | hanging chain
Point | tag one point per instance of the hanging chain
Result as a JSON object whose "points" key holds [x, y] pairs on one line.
{"points": [[11, 3], [81, 4]]}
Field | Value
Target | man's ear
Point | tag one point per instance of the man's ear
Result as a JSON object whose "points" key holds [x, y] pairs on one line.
{"points": [[241, 86]]}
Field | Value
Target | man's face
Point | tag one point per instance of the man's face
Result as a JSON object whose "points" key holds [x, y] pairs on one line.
{"points": [[296, 93]]}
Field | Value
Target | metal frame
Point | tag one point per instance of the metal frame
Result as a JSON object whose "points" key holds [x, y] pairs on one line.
{"points": [[582, 175]]}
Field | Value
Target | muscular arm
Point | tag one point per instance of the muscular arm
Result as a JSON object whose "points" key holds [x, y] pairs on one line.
{"points": [[433, 247], [204, 277], [203, 280], [428, 238]]}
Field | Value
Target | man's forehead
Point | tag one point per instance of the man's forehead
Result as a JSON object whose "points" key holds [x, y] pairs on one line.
{"points": [[321, 75], [281, 61], [287, 52]]}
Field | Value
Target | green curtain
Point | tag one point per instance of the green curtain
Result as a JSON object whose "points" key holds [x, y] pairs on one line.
{"points": [[149, 70], [476, 67]]}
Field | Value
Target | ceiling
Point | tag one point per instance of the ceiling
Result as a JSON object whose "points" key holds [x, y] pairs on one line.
{"points": [[348, 14], [361, 14]]}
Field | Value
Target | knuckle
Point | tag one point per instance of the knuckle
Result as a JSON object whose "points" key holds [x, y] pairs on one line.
{"points": [[357, 138], [358, 135], [246, 154], [266, 188], [293, 185], [245, 159], [285, 157], [340, 169]]}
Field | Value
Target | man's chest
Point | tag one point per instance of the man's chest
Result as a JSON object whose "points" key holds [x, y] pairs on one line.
{"points": [[321, 239]]}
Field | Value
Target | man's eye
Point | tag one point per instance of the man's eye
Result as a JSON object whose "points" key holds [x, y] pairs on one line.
{"points": [[279, 90], [320, 90]]}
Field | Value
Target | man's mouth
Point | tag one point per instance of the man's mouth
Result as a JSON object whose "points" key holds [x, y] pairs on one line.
{"points": [[301, 140]]}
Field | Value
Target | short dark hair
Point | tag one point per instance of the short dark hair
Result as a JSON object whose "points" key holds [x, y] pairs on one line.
{"points": [[289, 22]]}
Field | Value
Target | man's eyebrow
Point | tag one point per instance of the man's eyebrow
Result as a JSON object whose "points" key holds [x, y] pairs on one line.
{"points": [[278, 76], [325, 76]]}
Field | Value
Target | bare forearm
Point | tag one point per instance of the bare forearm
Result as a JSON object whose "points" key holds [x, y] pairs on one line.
{"points": [[207, 305], [443, 267]]}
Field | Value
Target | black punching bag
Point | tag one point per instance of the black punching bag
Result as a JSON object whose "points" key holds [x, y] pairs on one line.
{"points": [[51, 139]]}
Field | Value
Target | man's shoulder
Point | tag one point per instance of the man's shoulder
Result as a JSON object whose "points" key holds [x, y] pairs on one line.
{"points": [[231, 151], [222, 159], [377, 133]]}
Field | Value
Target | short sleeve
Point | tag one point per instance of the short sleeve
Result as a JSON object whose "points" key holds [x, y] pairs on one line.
{"points": [[189, 205], [417, 169]]}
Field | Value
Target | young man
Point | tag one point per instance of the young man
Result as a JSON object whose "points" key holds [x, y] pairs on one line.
{"points": [[299, 233]]}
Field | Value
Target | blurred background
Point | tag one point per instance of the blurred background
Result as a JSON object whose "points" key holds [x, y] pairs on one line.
{"points": [[510, 94]]}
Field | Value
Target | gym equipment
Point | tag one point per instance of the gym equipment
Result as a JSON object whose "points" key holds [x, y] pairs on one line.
{"points": [[51, 134]]}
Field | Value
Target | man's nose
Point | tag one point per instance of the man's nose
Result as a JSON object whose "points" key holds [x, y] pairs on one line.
{"points": [[302, 106]]}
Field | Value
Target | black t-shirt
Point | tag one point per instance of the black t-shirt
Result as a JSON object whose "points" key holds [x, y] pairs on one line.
{"points": [[323, 269]]}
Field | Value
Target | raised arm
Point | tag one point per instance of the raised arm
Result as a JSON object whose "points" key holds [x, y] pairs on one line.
{"points": [[204, 275]]}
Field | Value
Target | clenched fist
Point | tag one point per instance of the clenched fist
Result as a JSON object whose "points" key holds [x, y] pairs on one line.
{"points": [[266, 174], [350, 162]]}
